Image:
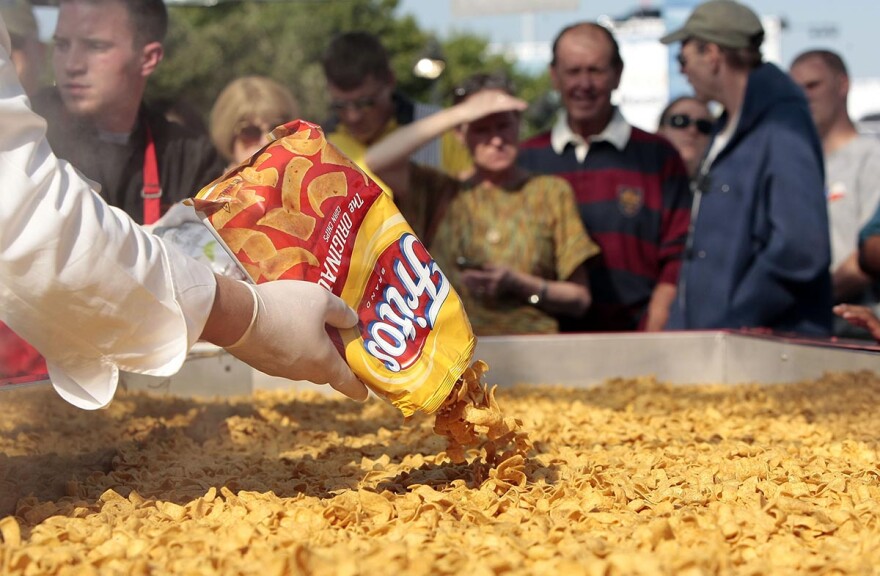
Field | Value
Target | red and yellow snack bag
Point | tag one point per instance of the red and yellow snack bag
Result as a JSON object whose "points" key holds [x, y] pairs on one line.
{"points": [[300, 210]]}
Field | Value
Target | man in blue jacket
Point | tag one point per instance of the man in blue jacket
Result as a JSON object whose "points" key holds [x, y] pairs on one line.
{"points": [[758, 250]]}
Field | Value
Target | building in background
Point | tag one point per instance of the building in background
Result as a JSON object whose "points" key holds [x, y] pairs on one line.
{"points": [[650, 76]]}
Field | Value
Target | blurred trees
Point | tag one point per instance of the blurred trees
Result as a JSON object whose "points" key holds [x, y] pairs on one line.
{"points": [[208, 46]]}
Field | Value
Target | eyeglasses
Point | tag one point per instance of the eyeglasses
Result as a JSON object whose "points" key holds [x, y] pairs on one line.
{"points": [[682, 121], [682, 61], [358, 105]]}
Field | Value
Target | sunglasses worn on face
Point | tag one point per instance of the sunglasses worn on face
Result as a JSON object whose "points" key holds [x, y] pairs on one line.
{"points": [[254, 130], [250, 132], [682, 121]]}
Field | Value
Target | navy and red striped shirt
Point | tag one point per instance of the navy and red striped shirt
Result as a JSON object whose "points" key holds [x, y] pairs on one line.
{"points": [[635, 203]]}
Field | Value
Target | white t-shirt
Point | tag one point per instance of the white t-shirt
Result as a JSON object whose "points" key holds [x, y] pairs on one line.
{"points": [[852, 176]]}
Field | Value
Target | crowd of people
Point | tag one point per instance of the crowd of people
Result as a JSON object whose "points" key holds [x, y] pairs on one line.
{"points": [[753, 205]]}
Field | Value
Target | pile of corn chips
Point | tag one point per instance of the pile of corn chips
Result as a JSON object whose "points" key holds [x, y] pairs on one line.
{"points": [[632, 477]]}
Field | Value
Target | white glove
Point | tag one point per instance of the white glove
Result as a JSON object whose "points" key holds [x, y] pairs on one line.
{"points": [[287, 337]]}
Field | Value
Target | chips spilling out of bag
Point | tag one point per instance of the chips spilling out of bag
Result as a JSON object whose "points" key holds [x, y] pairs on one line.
{"points": [[471, 413], [301, 210]]}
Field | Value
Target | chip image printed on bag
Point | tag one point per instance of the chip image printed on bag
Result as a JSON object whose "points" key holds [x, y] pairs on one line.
{"points": [[301, 210]]}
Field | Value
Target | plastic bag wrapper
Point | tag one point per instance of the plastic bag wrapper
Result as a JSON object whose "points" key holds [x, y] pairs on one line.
{"points": [[301, 210], [182, 228]]}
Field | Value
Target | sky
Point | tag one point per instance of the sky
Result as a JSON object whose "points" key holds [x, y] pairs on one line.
{"points": [[849, 27]]}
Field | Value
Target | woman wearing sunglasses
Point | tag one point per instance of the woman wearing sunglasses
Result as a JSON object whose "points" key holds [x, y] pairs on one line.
{"points": [[511, 242], [245, 112], [687, 123]]}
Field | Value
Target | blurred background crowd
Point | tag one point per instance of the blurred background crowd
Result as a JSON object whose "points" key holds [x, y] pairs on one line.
{"points": [[666, 168]]}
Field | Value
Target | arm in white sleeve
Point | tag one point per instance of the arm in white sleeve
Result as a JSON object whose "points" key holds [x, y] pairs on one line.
{"points": [[79, 280]]}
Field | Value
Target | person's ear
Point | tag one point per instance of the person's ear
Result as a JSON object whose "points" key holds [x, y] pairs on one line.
{"points": [[843, 86], [151, 55], [554, 78], [615, 84], [713, 51]]}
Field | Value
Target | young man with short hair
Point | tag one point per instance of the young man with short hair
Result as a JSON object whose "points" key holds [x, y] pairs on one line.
{"points": [[105, 52]]}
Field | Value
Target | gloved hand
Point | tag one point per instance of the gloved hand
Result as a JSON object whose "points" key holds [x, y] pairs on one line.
{"points": [[287, 337]]}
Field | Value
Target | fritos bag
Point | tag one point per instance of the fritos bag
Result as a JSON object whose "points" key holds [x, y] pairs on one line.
{"points": [[300, 210]]}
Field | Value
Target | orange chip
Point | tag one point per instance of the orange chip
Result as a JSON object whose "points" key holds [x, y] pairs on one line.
{"points": [[292, 186], [260, 176], [326, 186], [331, 155], [300, 143], [244, 198], [259, 247], [292, 223], [253, 270], [10, 532], [236, 237], [482, 416], [286, 258]]}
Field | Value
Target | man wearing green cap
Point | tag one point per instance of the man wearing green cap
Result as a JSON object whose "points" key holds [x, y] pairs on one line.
{"points": [[758, 251], [27, 50]]}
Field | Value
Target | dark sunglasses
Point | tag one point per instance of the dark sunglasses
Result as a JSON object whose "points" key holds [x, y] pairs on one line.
{"points": [[252, 131], [358, 105], [682, 121], [249, 132]]}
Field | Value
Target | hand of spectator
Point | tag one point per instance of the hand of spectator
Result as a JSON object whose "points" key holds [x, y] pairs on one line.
{"points": [[287, 337], [860, 316], [488, 102], [488, 281]]}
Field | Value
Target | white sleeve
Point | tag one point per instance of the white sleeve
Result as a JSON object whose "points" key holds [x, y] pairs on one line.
{"points": [[85, 285]]}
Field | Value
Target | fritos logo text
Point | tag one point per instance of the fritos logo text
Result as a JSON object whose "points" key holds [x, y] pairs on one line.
{"points": [[401, 303]]}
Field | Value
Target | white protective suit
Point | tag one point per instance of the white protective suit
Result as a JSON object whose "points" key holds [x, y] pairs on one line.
{"points": [[79, 280]]}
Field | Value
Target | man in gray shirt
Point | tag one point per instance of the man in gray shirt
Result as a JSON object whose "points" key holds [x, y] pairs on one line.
{"points": [[852, 171]]}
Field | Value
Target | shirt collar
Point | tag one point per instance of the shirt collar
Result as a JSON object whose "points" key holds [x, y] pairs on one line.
{"points": [[616, 133], [390, 127]]}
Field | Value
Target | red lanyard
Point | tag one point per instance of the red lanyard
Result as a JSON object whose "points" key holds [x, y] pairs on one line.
{"points": [[152, 191]]}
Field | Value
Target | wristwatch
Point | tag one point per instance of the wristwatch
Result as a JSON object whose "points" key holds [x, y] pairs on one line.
{"points": [[539, 296]]}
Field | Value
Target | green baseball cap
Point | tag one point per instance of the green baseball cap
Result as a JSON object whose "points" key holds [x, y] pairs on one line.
{"points": [[19, 18], [724, 22]]}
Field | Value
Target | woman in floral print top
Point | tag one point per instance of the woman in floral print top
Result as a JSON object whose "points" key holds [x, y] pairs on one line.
{"points": [[511, 242]]}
